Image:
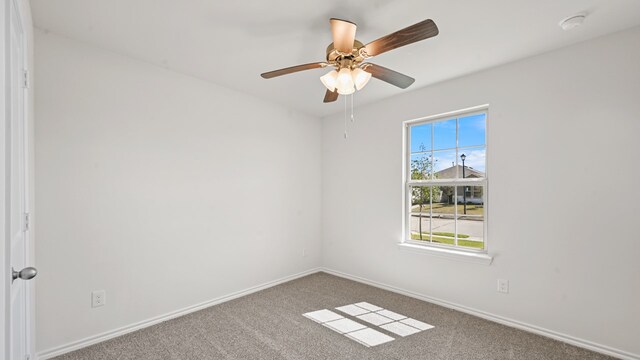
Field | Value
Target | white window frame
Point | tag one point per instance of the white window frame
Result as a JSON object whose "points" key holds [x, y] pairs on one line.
{"points": [[463, 253]]}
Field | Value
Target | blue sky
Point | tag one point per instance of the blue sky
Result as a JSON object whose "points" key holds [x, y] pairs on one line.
{"points": [[471, 132]]}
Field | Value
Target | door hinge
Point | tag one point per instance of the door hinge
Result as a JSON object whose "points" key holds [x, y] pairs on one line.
{"points": [[27, 220], [25, 83]]}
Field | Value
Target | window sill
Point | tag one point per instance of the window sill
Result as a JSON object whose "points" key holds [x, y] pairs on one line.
{"points": [[476, 258]]}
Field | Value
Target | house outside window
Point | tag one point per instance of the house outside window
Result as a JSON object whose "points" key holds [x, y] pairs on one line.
{"points": [[446, 180]]}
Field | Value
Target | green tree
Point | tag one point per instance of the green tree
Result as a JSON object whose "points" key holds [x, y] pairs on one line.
{"points": [[421, 168]]}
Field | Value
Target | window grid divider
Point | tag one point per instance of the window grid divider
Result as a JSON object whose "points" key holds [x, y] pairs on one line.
{"points": [[455, 192], [431, 214]]}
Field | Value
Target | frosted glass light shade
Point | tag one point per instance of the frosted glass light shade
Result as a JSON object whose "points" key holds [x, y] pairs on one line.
{"points": [[347, 91], [344, 82], [360, 78], [329, 80]]}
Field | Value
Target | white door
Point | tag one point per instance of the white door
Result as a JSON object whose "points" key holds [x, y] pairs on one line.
{"points": [[17, 219]]}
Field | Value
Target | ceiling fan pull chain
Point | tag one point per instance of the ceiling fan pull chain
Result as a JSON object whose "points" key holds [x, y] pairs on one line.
{"points": [[352, 118], [345, 117]]}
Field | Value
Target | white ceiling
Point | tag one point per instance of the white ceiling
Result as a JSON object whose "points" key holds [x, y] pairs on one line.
{"points": [[232, 42]]}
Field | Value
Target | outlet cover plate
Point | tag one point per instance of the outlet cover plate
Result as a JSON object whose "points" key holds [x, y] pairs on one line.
{"points": [[503, 286], [98, 298]]}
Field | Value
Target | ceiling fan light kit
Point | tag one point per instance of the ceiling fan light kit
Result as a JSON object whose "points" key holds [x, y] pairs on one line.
{"points": [[344, 82], [329, 80], [347, 56], [360, 78]]}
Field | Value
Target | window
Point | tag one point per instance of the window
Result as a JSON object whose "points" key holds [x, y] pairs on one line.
{"points": [[446, 180]]}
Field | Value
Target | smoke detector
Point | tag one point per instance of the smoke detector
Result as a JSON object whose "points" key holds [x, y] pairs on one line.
{"points": [[572, 22]]}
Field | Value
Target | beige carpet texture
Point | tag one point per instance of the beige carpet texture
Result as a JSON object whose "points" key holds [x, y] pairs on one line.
{"points": [[269, 325]]}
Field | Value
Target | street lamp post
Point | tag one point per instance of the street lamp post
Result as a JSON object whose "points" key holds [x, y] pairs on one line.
{"points": [[464, 187]]}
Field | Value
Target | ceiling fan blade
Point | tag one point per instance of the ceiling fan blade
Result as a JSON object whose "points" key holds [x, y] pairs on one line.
{"points": [[344, 33], [392, 77], [330, 96], [292, 69], [414, 33]]}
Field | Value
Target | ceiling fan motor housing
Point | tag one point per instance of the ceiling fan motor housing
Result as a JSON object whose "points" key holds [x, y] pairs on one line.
{"points": [[340, 60]]}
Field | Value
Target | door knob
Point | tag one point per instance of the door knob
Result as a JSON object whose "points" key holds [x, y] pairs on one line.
{"points": [[27, 273]]}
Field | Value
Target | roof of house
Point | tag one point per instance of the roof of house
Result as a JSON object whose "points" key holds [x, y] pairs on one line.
{"points": [[450, 171]]}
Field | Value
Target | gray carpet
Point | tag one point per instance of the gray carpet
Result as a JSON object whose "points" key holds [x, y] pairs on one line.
{"points": [[269, 325]]}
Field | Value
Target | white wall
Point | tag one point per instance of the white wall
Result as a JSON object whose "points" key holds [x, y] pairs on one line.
{"points": [[164, 190], [563, 135]]}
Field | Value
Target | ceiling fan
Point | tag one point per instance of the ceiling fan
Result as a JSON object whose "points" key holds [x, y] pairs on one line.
{"points": [[347, 55]]}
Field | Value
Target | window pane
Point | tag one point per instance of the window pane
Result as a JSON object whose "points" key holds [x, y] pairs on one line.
{"points": [[420, 166], [444, 165], [421, 138], [474, 162], [471, 217], [420, 221], [443, 212], [471, 130], [451, 215], [444, 135]]}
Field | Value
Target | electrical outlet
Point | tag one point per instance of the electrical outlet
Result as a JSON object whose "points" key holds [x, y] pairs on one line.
{"points": [[304, 252], [98, 298], [503, 286]]}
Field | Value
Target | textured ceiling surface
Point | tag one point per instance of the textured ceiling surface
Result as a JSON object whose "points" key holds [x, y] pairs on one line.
{"points": [[231, 43]]}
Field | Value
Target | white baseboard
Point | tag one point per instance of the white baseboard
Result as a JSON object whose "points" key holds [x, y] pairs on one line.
{"points": [[47, 354], [75, 345], [603, 349]]}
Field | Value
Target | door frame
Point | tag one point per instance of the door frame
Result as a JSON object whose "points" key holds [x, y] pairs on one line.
{"points": [[4, 259], [22, 12]]}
